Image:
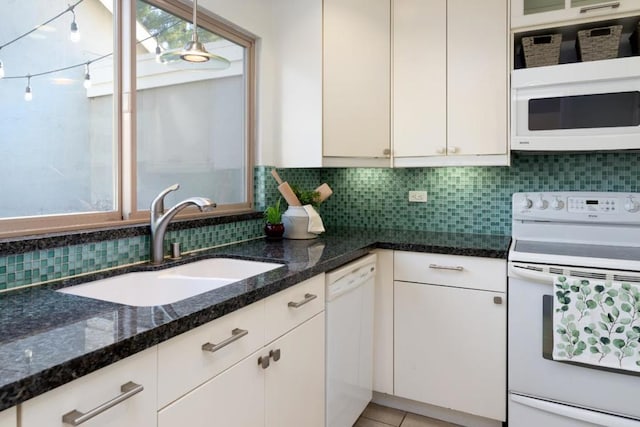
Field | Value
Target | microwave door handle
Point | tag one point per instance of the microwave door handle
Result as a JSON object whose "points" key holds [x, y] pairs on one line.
{"points": [[536, 276], [580, 414]]}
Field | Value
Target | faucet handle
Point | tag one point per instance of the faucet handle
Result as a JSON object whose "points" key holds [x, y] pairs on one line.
{"points": [[157, 205]]}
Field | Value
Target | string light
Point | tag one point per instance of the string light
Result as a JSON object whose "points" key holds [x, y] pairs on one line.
{"points": [[28, 94], [74, 36], [87, 76]]}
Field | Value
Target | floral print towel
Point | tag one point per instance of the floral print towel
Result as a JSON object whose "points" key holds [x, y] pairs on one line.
{"points": [[597, 322]]}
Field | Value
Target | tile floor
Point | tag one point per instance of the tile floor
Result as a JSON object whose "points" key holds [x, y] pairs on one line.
{"points": [[380, 416]]}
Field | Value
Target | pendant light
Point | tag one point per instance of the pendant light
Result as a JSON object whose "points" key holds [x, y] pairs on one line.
{"points": [[194, 51]]}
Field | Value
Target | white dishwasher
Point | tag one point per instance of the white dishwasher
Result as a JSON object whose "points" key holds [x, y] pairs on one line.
{"points": [[349, 343]]}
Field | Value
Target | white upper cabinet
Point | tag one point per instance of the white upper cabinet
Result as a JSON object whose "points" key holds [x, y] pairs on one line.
{"points": [[477, 70], [419, 78], [533, 13], [357, 79], [450, 79]]}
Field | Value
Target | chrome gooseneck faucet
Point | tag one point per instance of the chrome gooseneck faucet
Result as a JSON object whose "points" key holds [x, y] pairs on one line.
{"points": [[161, 219]]}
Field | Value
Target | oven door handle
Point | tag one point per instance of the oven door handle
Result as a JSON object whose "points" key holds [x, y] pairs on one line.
{"points": [[580, 414], [536, 276]]}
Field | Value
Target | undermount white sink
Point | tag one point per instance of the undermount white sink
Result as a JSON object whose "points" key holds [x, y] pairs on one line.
{"points": [[149, 288]]}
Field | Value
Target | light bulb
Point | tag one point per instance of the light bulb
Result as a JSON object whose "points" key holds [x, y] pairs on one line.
{"points": [[28, 94], [1, 70], [87, 77], [74, 36]]}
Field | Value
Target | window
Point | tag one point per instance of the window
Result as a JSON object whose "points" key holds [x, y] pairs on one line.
{"points": [[75, 156]]}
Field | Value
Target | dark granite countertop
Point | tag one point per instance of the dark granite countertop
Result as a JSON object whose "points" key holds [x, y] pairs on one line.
{"points": [[49, 338]]}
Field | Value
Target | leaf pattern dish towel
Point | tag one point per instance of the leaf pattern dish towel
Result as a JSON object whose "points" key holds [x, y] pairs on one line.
{"points": [[597, 322]]}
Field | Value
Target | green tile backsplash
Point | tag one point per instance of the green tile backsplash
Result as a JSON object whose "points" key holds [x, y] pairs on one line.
{"points": [[460, 199]]}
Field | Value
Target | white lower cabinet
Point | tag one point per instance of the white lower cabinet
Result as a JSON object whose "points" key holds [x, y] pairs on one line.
{"points": [[450, 336], [233, 398], [279, 385], [132, 381], [8, 418], [294, 387]]}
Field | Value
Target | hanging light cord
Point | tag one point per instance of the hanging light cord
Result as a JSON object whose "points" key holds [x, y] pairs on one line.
{"points": [[37, 27], [57, 70]]}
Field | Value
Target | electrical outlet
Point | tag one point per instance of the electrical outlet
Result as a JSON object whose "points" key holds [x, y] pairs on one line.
{"points": [[418, 196]]}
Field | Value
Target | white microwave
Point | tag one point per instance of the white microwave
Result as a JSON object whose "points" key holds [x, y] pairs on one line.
{"points": [[577, 107]]}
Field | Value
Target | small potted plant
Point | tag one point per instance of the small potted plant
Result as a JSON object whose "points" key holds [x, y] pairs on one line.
{"points": [[274, 229]]}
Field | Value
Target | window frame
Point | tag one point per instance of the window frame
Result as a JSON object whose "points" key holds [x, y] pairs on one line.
{"points": [[124, 127]]}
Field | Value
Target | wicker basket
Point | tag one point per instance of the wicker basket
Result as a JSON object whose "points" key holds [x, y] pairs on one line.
{"points": [[599, 43], [541, 50]]}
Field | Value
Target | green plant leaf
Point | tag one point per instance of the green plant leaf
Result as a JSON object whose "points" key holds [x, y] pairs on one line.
{"points": [[606, 349], [605, 340], [574, 288], [591, 304], [615, 312], [609, 301], [625, 320], [598, 288], [626, 307], [592, 340], [628, 352], [620, 329], [603, 326], [581, 346], [618, 343], [626, 286], [588, 330], [594, 350], [612, 293], [580, 305]]}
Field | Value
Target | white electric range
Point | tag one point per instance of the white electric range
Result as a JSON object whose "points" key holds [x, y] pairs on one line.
{"points": [[584, 239]]}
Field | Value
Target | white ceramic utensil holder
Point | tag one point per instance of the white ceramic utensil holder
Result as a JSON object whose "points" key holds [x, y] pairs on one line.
{"points": [[296, 223]]}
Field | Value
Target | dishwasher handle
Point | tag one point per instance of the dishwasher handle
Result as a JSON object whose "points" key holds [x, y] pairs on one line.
{"points": [[350, 281]]}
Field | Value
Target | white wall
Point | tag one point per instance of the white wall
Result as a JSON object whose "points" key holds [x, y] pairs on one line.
{"points": [[289, 87]]}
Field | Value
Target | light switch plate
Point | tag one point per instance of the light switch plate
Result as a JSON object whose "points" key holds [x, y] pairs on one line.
{"points": [[418, 196]]}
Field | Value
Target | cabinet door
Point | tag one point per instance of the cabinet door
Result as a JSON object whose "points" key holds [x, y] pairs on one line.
{"points": [[419, 78], [8, 418], [233, 398], [450, 348], [383, 324], [477, 40], [527, 13], [97, 388], [356, 98], [294, 387]]}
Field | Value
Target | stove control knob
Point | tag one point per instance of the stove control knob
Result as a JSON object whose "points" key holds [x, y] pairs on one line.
{"points": [[557, 204], [526, 203], [632, 205], [541, 203]]}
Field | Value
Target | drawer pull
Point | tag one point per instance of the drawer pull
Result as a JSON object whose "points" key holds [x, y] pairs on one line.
{"points": [[613, 5], [307, 298], [497, 300], [236, 334], [447, 267], [75, 417]]}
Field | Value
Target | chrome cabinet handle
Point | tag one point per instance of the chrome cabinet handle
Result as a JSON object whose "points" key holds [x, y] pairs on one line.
{"points": [[236, 334], [275, 355], [307, 298], [75, 417], [446, 267], [613, 5]]}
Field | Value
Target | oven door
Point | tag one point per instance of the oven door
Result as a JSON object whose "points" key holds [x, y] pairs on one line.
{"points": [[599, 110], [555, 387]]}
